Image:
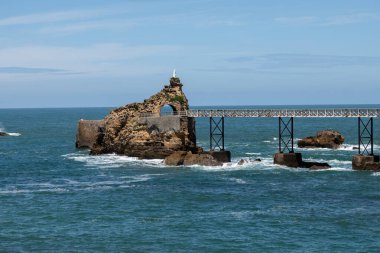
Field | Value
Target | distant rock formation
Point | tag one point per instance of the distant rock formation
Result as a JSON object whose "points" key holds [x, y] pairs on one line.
{"points": [[324, 139], [3, 134]]}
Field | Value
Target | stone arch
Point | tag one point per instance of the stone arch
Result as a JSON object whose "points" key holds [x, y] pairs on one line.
{"points": [[166, 109]]}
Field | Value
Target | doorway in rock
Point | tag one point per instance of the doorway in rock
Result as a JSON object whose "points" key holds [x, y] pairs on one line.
{"points": [[168, 110]]}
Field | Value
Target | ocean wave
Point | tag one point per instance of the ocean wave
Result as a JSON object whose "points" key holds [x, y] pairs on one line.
{"points": [[111, 160], [376, 174], [14, 134], [69, 185]]}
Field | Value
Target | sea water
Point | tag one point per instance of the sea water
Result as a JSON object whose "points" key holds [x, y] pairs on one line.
{"points": [[55, 198]]}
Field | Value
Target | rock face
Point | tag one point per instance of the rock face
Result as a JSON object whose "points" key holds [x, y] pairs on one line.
{"points": [[136, 130], [88, 133], [189, 158], [324, 139]]}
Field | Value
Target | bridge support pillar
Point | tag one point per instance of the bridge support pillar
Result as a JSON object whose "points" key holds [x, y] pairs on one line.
{"points": [[286, 144], [365, 160], [217, 140], [216, 134]]}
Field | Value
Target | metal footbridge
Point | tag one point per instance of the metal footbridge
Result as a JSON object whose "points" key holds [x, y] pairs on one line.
{"points": [[285, 123]]}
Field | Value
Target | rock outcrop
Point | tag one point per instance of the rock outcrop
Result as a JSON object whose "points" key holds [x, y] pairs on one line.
{"points": [[202, 158], [137, 130], [324, 139], [3, 134]]}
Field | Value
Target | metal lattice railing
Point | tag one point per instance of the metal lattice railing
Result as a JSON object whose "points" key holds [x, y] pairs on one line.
{"points": [[298, 113]]}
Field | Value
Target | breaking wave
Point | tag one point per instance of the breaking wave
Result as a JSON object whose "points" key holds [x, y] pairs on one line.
{"points": [[111, 160]]}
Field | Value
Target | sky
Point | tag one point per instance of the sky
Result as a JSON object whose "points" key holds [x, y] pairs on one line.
{"points": [[93, 53]]}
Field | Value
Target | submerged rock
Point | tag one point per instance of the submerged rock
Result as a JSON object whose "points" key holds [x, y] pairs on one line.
{"points": [[242, 162], [3, 134], [324, 139]]}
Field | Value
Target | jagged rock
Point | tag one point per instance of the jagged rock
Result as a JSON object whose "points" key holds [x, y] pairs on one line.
{"points": [[324, 139], [242, 162], [257, 160], [201, 159], [315, 165], [136, 130], [176, 158], [3, 134]]}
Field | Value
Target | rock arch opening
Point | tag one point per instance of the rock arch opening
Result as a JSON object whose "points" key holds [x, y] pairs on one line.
{"points": [[168, 110]]}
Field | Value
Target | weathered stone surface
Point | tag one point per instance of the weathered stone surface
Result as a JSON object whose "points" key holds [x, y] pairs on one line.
{"points": [[223, 156], [288, 159], [242, 162], [362, 162], [201, 159], [324, 139], [3, 134], [136, 130], [176, 158], [88, 133]]}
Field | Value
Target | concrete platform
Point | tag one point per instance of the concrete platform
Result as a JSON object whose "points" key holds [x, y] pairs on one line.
{"points": [[221, 156], [288, 159], [366, 162], [294, 160]]}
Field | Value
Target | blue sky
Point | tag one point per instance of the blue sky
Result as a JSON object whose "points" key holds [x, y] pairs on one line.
{"points": [[110, 53]]}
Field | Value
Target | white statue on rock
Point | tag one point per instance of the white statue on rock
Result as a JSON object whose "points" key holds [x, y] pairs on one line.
{"points": [[174, 75]]}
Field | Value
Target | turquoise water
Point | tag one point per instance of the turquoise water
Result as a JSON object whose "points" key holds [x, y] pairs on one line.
{"points": [[54, 198]]}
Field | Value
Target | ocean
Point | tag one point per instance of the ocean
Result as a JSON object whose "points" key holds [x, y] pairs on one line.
{"points": [[55, 198]]}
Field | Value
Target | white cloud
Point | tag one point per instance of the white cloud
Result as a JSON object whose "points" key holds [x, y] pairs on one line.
{"points": [[296, 20], [50, 17], [90, 25], [329, 21], [103, 59]]}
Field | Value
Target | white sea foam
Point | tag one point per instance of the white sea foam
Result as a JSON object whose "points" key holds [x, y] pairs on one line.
{"points": [[251, 153], [376, 174], [69, 185], [111, 160], [14, 134]]}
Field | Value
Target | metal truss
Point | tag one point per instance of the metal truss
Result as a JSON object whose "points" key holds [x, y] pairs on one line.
{"points": [[365, 134], [217, 134], [286, 136]]}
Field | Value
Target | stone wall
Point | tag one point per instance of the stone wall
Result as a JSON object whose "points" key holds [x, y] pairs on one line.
{"points": [[88, 132]]}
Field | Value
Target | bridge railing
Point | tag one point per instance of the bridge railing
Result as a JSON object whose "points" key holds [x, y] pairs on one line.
{"points": [[304, 113]]}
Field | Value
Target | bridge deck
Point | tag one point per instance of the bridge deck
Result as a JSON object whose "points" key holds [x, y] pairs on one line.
{"points": [[270, 113]]}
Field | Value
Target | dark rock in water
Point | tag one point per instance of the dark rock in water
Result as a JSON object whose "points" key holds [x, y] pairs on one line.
{"points": [[324, 139], [355, 148], [257, 160], [242, 162], [3, 134], [315, 165], [295, 160]]}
